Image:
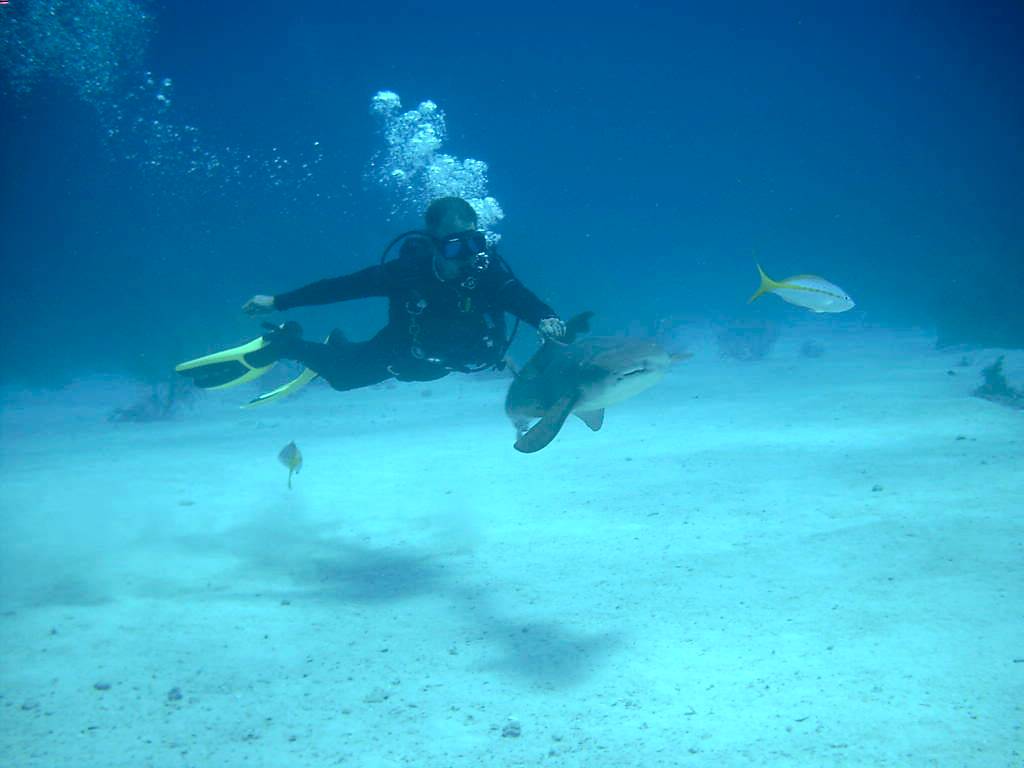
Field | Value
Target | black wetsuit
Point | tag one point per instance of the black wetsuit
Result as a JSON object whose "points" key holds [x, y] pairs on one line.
{"points": [[433, 328]]}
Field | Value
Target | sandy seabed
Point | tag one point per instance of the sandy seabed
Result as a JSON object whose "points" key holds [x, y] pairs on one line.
{"points": [[792, 561]]}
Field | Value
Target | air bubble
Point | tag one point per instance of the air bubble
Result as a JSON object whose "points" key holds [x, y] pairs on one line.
{"points": [[95, 47], [413, 167]]}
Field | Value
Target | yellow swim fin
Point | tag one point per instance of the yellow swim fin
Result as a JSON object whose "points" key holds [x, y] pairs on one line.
{"points": [[230, 367], [293, 386], [767, 284], [307, 375]]}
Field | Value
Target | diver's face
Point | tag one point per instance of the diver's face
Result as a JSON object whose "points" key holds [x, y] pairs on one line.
{"points": [[459, 252]]}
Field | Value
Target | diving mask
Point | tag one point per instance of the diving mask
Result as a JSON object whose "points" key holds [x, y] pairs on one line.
{"points": [[469, 247]]}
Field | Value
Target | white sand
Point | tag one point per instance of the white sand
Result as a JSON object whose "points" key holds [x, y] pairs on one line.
{"points": [[711, 580]]}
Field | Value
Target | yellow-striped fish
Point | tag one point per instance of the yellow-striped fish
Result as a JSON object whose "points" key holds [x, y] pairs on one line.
{"points": [[291, 457], [809, 291]]}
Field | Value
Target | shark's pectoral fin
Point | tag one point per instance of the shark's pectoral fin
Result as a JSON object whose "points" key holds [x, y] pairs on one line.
{"points": [[593, 419], [544, 431]]}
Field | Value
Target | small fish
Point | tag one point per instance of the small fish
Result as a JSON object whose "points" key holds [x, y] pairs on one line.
{"points": [[291, 457], [809, 291]]}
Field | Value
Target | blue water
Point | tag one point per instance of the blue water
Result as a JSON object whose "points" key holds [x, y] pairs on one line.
{"points": [[161, 163], [645, 157]]}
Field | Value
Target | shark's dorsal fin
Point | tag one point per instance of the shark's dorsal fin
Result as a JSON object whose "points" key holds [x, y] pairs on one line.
{"points": [[576, 326], [593, 419], [544, 431], [543, 357]]}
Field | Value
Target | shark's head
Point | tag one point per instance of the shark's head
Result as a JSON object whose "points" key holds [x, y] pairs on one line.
{"points": [[618, 369]]}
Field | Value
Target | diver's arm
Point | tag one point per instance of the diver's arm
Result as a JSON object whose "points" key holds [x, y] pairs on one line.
{"points": [[517, 299], [358, 285]]}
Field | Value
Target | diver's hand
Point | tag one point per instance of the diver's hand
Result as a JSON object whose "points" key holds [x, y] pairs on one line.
{"points": [[259, 305], [551, 328]]}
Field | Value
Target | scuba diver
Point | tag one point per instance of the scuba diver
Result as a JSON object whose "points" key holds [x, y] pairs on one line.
{"points": [[448, 292]]}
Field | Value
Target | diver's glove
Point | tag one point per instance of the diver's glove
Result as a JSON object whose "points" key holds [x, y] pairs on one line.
{"points": [[259, 305], [551, 328]]}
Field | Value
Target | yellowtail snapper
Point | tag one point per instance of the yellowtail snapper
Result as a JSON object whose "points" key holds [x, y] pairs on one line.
{"points": [[809, 291]]}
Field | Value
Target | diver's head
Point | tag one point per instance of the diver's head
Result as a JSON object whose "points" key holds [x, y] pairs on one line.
{"points": [[461, 248], [448, 215]]}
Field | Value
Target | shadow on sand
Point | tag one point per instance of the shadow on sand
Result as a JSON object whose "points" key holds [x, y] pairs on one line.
{"points": [[304, 563]]}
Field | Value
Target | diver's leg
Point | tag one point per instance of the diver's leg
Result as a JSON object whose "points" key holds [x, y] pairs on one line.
{"points": [[350, 365], [344, 366]]}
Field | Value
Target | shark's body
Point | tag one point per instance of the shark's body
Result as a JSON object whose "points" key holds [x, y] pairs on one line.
{"points": [[581, 376]]}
